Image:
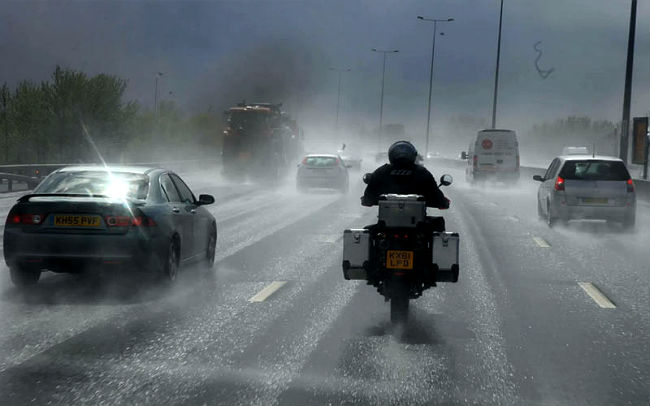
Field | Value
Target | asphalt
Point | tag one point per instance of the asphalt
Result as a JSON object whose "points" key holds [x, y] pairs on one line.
{"points": [[516, 329]]}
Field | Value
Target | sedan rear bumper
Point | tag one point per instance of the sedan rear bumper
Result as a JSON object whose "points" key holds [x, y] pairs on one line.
{"points": [[72, 252]]}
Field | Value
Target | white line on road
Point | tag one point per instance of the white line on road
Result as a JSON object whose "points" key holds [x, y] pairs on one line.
{"points": [[541, 242], [264, 294], [597, 295]]}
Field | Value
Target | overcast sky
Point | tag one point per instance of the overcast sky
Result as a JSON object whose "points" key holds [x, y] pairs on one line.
{"points": [[214, 51]]}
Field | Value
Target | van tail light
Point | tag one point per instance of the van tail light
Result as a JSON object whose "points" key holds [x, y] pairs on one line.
{"points": [[475, 161], [559, 183], [630, 185], [126, 221]]}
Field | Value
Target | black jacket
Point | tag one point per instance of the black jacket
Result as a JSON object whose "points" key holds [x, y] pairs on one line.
{"points": [[403, 180]]}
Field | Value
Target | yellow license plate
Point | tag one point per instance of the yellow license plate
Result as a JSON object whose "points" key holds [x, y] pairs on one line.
{"points": [[65, 220], [399, 259]]}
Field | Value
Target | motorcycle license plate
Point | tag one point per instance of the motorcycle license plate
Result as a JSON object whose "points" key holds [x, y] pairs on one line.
{"points": [[399, 259]]}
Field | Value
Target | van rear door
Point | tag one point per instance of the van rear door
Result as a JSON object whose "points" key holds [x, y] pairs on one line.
{"points": [[497, 151]]}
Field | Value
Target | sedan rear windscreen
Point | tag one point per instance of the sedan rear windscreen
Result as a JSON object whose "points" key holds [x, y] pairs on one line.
{"points": [[595, 170], [111, 184], [321, 161]]}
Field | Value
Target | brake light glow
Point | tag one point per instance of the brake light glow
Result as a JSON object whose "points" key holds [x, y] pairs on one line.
{"points": [[475, 161], [559, 183], [630, 185]]}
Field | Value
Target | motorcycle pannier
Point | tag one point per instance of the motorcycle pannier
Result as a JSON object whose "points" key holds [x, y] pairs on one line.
{"points": [[445, 256], [356, 253], [402, 210]]}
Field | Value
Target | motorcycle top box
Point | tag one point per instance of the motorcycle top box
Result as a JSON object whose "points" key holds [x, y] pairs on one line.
{"points": [[401, 210]]}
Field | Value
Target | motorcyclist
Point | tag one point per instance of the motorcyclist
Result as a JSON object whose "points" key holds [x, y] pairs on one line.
{"points": [[403, 176]]}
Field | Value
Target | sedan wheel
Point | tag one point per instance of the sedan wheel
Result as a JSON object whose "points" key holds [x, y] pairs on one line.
{"points": [[212, 247], [170, 271], [22, 276]]}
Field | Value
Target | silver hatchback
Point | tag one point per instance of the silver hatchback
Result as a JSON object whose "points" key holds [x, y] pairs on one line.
{"points": [[586, 187]]}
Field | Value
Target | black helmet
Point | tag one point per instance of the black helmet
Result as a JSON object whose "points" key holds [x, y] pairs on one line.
{"points": [[402, 152]]}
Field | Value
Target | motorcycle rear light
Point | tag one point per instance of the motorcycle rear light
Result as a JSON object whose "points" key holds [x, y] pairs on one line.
{"points": [[630, 185], [559, 183]]}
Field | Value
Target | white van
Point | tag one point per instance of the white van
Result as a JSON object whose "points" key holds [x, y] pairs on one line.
{"points": [[493, 155]]}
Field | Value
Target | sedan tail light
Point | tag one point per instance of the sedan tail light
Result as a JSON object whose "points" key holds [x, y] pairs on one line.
{"points": [[630, 185], [559, 183], [28, 219], [126, 221]]}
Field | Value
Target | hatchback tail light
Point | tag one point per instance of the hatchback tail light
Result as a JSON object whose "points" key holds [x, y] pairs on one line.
{"points": [[630, 185], [559, 183]]}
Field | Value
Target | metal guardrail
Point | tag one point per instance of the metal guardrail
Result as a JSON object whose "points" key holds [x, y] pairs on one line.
{"points": [[31, 174]]}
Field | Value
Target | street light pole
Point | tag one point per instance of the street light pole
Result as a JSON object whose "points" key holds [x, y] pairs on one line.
{"points": [[627, 95], [381, 101], [496, 72], [338, 94], [433, 53], [155, 93]]}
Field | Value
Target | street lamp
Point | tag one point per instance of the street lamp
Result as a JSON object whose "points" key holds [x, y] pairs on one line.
{"points": [[338, 95], [496, 72], [155, 93], [383, 74], [435, 21]]}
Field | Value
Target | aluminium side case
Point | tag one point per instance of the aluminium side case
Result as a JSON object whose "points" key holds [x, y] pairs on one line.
{"points": [[445, 256], [356, 253]]}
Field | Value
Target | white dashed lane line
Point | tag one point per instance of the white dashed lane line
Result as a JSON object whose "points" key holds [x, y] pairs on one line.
{"points": [[541, 242], [265, 293], [598, 296]]}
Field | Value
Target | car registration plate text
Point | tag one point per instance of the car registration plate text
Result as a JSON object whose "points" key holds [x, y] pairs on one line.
{"points": [[399, 259], [66, 220]]}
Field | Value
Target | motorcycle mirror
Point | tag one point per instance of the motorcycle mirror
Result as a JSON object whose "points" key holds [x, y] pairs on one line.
{"points": [[446, 180], [366, 178]]}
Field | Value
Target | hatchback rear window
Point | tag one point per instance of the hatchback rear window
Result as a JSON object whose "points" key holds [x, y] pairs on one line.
{"points": [[115, 184], [321, 161], [594, 170]]}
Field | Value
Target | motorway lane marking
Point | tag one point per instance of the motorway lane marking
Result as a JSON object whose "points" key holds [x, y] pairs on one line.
{"points": [[541, 242], [597, 295], [264, 294]]}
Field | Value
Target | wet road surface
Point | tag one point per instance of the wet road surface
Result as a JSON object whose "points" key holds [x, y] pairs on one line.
{"points": [[518, 327]]}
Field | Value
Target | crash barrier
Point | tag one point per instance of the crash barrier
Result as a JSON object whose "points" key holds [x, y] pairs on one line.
{"points": [[642, 187], [30, 175]]}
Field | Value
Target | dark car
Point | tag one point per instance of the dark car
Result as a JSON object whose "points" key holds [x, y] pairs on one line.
{"points": [[95, 216], [322, 171]]}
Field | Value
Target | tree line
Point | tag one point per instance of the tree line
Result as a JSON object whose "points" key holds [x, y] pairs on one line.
{"points": [[75, 118]]}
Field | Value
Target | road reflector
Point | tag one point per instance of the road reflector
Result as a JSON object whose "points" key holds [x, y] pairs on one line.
{"points": [[541, 242], [597, 295], [264, 294]]}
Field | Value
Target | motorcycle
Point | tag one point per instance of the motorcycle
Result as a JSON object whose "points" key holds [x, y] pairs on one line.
{"points": [[404, 254]]}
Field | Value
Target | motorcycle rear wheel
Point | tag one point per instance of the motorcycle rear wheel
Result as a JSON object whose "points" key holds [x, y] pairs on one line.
{"points": [[399, 307]]}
